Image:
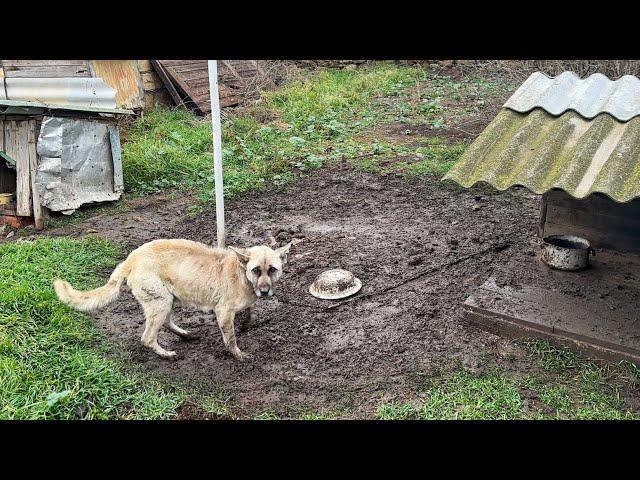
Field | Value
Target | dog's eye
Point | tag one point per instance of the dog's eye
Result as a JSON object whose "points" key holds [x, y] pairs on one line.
{"points": [[256, 270], [272, 270]]}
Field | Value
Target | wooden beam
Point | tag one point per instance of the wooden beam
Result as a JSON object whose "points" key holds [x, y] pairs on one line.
{"points": [[543, 215], [162, 73], [38, 216]]}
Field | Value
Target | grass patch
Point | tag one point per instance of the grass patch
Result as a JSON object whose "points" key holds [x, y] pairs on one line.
{"points": [[296, 128], [461, 396], [564, 386], [52, 362]]}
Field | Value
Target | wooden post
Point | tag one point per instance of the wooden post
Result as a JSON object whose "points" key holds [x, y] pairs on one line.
{"points": [[38, 216], [543, 215]]}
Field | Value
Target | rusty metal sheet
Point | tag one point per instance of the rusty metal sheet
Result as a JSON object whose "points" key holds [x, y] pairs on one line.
{"points": [[124, 77], [79, 163], [589, 97]]}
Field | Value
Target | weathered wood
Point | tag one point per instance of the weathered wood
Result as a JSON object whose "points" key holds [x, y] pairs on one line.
{"points": [[543, 215], [201, 101], [605, 223], [124, 77], [46, 68], [191, 77], [7, 175], [164, 77], [594, 202], [16, 135], [38, 215]]}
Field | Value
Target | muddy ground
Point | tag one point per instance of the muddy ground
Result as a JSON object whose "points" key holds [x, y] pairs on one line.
{"points": [[350, 359]]}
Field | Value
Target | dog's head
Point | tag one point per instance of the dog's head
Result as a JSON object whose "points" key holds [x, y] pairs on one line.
{"points": [[263, 266]]}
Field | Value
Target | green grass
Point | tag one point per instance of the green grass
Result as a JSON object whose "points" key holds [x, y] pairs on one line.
{"points": [[566, 386], [300, 126], [461, 396], [53, 362]]}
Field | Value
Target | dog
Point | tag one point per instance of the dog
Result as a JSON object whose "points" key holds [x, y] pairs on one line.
{"points": [[161, 272]]}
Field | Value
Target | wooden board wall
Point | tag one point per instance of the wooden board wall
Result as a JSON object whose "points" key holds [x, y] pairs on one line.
{"points": [[46, 68], [605, 223]]}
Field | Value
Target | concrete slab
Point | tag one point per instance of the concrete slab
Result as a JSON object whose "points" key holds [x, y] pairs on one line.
{"points": [[605, 325]]}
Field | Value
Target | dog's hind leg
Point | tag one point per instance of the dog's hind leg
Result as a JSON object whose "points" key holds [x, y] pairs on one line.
{"points": [[156, 302], [156, 313], [225, 318]]}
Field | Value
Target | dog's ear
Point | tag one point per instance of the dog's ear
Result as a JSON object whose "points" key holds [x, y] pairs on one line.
{"points": [[283, 252], [242, 254]]}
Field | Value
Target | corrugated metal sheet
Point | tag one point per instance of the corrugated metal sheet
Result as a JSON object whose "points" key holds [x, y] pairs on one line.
{"points": [[78, 92], [589, 97], [79, 163], [26, 107], [540, 151], [124, 77]]}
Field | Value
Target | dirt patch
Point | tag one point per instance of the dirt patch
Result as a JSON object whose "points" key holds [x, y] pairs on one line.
{"points": [[384, 229], [381, 228]]}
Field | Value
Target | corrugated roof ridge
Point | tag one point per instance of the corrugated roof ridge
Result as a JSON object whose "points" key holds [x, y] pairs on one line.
{"points": [[566, 91]]}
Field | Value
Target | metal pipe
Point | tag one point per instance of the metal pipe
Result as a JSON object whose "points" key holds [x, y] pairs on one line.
{"points": [[217, 150]]}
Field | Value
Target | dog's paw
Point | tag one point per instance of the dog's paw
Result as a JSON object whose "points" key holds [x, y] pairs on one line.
{"points": [[239, 355], [170, 355]]}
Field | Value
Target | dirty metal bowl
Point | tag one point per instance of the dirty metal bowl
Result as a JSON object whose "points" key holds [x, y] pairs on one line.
{"points": [[335, 284], [566, 252], [5, 198]]}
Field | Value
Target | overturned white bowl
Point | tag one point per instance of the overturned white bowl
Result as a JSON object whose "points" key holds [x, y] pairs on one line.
{"points": [[335, 284]]}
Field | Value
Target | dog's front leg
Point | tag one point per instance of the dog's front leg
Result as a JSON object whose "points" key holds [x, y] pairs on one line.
{"points": [[225, 318]]}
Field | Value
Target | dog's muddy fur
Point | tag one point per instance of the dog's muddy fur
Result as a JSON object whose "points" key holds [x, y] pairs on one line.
{"points": [[352, 358]]}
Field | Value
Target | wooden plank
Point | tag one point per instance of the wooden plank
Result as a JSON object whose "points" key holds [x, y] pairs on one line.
{"points": [[38, 215], [629, 225], [16, 135], [164, 77], [124, 77], [7, 175], [543, 215], [46, 68], [597, 202]]}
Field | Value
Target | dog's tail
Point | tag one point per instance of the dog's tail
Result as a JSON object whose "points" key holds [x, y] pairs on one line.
{"points": [[96, 298]]}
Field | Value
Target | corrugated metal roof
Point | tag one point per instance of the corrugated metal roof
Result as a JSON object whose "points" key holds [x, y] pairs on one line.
{"points": [[541, 152], [27, 107], [589, 97], [75, 92]]}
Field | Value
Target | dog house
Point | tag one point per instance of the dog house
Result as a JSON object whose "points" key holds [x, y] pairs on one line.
{"points": [[575, 142]]}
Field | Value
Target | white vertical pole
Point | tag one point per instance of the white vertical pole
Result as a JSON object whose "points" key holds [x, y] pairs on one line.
{"points": [[217, 150]]}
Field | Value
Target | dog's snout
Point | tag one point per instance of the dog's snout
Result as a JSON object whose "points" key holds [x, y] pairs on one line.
{"points": [[264, 293]]}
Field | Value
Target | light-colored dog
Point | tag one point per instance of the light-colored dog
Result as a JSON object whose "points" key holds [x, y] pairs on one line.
{"points": [[160, 272]]}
